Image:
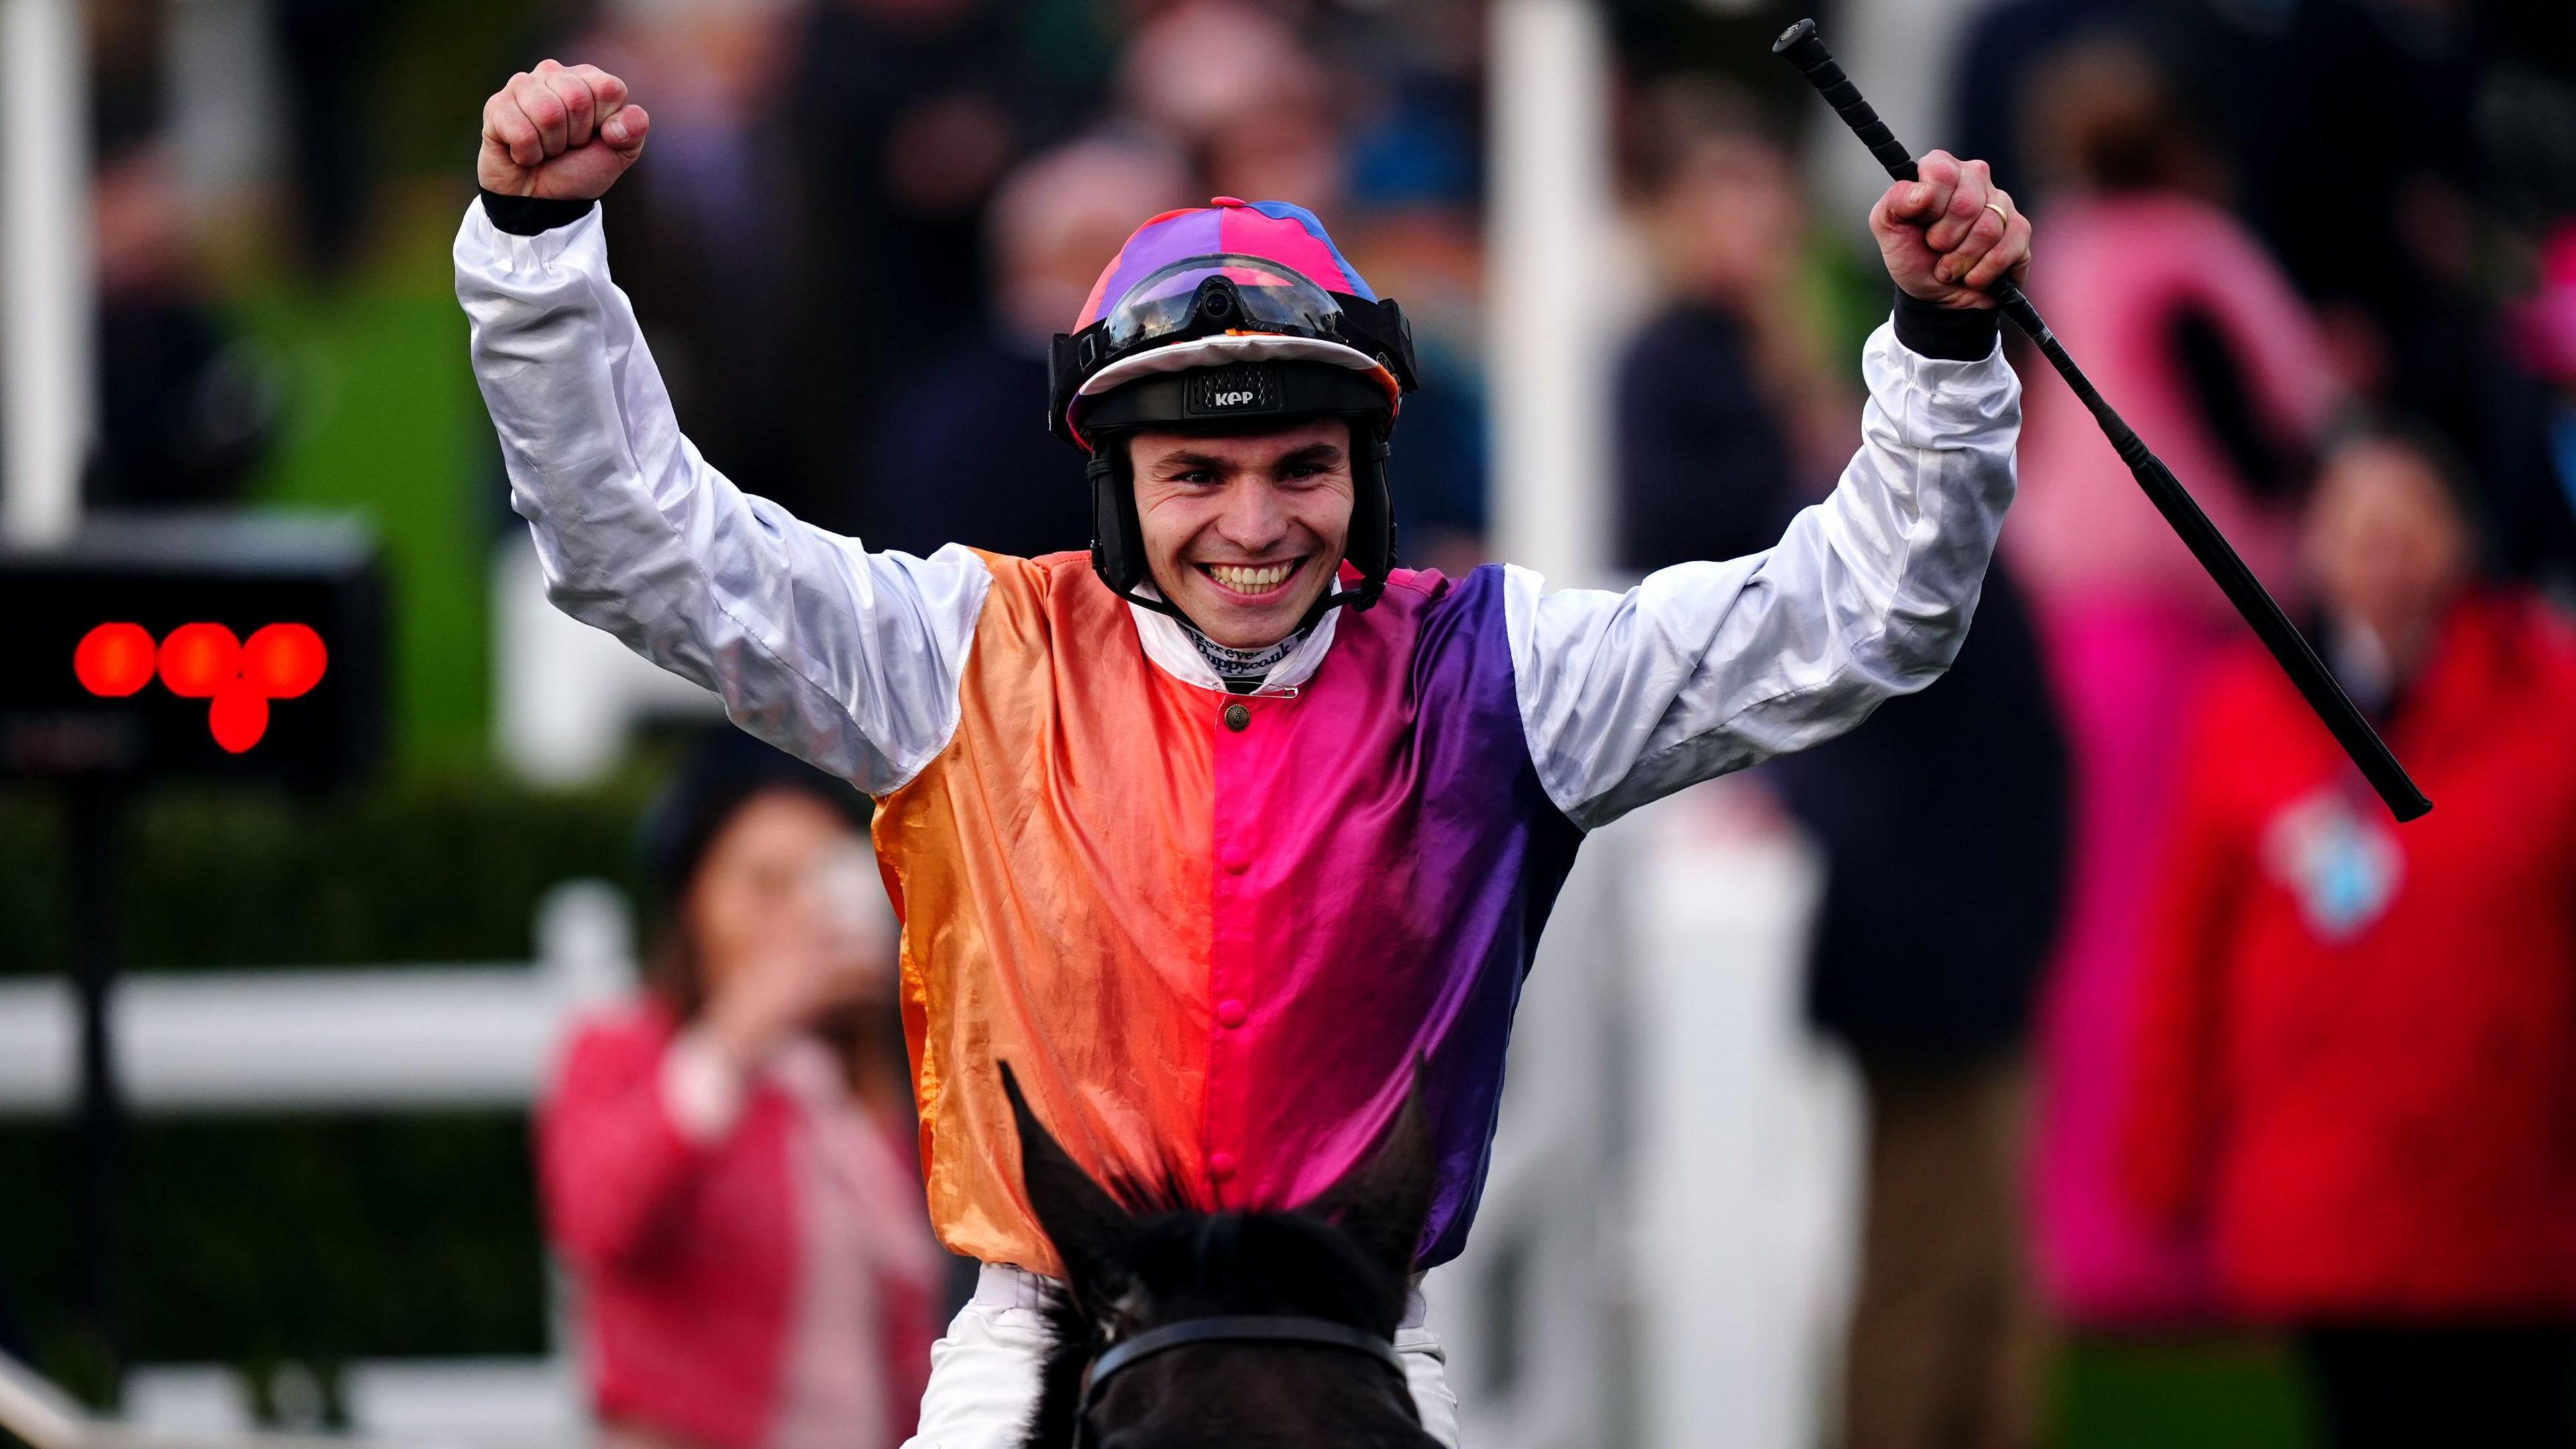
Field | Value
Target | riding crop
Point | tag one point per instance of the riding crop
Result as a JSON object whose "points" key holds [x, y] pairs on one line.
{"points": [[1799, 46]]}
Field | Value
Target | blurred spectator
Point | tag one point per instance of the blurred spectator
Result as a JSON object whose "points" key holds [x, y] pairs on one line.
{"points": [[1417, 230], [1943, 822], [2179, 316], [1924, 956], [2346, 124], [2357, 1055], [325, 50], [184, 411], [728, 1166], [1717, 392], [2389, 154], [2005, 47], [710, 245], [961, 451], [2350, 124], [1241, 92], [905, 114], [2534, 511]]}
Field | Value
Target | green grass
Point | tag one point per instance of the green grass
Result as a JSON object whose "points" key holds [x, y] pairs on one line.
{"points": [[383, 421], [2212, 1393]]}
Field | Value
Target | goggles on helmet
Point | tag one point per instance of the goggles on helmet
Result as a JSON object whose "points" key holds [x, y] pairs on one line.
{"points": [[1222, 293]]}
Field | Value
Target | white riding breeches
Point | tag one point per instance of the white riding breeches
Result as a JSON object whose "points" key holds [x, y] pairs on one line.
{"points": [[984, 1373]]}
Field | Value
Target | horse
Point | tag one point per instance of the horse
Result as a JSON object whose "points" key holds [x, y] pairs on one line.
{"points": [[1176, 1326]]}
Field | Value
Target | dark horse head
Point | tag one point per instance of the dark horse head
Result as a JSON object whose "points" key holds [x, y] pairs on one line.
{"points": [[1277, 1323]]}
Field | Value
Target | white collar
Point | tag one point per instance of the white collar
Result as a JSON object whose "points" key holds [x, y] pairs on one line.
{"points": [[1167, 643]]}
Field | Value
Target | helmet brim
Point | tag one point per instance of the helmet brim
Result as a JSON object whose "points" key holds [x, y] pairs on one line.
{"points": [[1230, 348]]}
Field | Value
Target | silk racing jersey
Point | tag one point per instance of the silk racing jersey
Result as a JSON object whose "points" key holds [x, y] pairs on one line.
{"points": [[1215, 933]]}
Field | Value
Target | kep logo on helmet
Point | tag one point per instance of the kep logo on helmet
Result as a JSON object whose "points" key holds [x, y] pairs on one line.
{"points": [[1250, 387]]}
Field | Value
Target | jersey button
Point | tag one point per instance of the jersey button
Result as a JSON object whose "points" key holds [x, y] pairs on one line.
{"points": [[1237, 717], [1221, 1166], [1230, 1013], [1237, 861]]}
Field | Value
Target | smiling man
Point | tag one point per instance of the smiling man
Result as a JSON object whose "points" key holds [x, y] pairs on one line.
{"points": [[1216, 832]]}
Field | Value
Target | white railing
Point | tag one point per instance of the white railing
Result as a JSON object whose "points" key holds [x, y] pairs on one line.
{"points": [[47, 1418], [413, 1036]]}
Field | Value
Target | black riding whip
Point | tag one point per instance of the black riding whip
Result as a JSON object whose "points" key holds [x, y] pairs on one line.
{"points": [[1799, 46]]}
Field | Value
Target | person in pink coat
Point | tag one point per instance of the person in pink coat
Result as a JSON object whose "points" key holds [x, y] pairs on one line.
{"points": [[727, 1165], [2195, 335]]}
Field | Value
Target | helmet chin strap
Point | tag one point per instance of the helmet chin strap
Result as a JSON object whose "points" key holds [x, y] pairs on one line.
{"points": [[1333, 597]]}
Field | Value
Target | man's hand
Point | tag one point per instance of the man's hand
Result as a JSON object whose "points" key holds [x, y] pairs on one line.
{"points": [[564, 133], [1948, 235]]}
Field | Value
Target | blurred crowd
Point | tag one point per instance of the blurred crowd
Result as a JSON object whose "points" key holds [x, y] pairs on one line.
{"points": [[2162, 1021], [864, 220]]}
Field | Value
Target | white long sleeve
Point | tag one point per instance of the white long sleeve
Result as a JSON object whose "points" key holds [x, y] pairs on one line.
{"points": [[846, 658], [1709, 667]]}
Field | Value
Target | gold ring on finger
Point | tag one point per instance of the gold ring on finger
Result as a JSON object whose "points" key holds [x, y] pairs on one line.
{"points": [[2000, 214]]}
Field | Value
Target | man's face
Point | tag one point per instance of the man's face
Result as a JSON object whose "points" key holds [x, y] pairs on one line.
{"points": [[2386, 544], [1243, 532]]}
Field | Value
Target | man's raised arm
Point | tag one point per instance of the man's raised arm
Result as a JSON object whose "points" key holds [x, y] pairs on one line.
{"points": [[1709, 667], [846, 658]]}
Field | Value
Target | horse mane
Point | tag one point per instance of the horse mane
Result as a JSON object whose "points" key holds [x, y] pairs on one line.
{"points": [[1185, 1261], [1140, 1253], [1074, 1338]]}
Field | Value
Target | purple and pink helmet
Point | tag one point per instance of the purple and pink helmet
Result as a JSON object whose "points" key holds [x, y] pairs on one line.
{"points": [[1231, 317]]}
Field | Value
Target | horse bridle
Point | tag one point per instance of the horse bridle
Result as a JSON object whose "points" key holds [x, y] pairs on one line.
{"points": [[1192, 1332]]}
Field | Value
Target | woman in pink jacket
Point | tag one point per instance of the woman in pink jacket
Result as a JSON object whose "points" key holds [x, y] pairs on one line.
{"points": [[727, 1166], [2194, 334]]}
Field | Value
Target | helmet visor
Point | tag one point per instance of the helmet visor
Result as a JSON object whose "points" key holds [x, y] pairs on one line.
{"points": [[1269, 297]]}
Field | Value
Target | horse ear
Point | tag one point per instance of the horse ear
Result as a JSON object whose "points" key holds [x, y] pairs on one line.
{"points": [[1084, 1222], [1385, 1199]]}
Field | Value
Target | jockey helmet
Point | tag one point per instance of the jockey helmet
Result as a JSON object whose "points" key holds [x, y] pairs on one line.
{"points": [[1235, 317]]}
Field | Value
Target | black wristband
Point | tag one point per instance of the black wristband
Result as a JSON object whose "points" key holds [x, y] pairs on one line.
{"points": [[1955, 334], [529, 215]]}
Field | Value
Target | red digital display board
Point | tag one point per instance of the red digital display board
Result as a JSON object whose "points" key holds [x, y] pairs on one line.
{"points": [[205, 661], [220, 647]]}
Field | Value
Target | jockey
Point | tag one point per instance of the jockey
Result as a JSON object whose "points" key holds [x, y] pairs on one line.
{"points": [[1218, 830]]}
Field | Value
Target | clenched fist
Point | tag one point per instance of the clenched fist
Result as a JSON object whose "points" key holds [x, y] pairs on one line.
{"points": [[1947, 235], [565, 133]]}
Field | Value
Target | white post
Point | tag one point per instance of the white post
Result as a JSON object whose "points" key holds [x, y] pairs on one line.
{"points": [[47, 286], [1546, 348], [1526, 1308], [1748, 1136]]}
